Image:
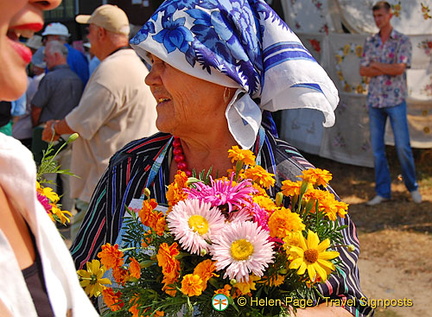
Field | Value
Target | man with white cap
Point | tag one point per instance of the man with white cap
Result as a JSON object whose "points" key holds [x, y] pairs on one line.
{"points": [[115, 108], [76, 60]]}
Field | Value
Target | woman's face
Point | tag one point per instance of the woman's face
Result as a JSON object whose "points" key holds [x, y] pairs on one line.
{"points": [[185, 104], [18, 18]]}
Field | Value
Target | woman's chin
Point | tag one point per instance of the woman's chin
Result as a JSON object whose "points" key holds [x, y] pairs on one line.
{"points": [[13, 89]]}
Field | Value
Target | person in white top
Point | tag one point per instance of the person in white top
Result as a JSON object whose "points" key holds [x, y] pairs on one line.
{"points": [[37, 274], [116, 106]]}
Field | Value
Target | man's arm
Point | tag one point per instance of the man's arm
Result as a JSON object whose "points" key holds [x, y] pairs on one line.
{"points": [[55, 128], [377, 69], [35, 115]]}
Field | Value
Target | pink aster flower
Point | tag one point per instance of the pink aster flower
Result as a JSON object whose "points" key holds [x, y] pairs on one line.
{"points": [[224, 192], [44, 201], [261, 216], [242, 249], [192, 222]]}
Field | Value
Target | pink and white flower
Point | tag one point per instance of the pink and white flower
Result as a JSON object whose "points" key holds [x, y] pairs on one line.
{"points": [[192, 223], [242, 249]]}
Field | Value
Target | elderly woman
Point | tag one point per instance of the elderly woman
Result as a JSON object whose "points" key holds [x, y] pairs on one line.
{"points": [[216, 66]]}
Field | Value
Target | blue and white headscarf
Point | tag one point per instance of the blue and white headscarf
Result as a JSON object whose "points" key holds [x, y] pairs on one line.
{"points": [[240, 44]]}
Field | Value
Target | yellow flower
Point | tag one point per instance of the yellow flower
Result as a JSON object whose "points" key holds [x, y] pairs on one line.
{"points": [[260, 176], [346, 49], [283, 221], [246, 156], [92, 279], [293, 239], [47, 192], [63, 215], [192, 285], [359, 50], [247, 287], [265, 202], [316, 176], [312, 256]]}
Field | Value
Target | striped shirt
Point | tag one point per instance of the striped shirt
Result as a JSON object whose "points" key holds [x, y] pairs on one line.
{"points": [[145, 163]]}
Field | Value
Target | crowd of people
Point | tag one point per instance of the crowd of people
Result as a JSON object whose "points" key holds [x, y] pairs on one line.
{"points": [[207, 90]]}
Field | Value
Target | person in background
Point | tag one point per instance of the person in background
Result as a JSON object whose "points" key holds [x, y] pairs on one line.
{"points": [[34, 43], [93, 60], [50, 103], [37, 274], [386, 56], [22, 128], [233, 60], [116, 106], [76, 60]]}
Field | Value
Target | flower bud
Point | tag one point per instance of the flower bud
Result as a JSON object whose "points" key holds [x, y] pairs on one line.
{"points": [[350, 248], [279, 199], [233, 281], [146, 192], [72, 137]]}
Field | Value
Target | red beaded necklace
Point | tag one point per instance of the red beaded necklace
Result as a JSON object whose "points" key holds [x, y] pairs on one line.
{"points": [[179, 157]]}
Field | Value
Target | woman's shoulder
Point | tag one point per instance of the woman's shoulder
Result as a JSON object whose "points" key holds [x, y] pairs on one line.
{"points": [[144, 147], [284, 151]]}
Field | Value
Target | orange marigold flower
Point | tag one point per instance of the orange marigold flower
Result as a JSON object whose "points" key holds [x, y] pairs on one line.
{"points": [[260, 176], [290, 188], [327, 203], [146, 212], [121, 275], [160, 225], [226, 290], [276, 280], [246, 156], [175, 191], [111, 257], [168, 281], [166, 257], [265, 202], [170, 265], [112, 299], [146, 239], [316, 176], [205, 270], [192, 285], [134, 268], [283, 221], [341, 208]]}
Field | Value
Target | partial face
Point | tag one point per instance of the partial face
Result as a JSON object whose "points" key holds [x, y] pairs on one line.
{"points": [[18, 17], [382, 17], [185, 104], [92, 37]]}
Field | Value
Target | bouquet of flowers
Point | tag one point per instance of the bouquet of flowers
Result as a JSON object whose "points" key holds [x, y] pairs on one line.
{"points": [[222, 245], [46, 196]]}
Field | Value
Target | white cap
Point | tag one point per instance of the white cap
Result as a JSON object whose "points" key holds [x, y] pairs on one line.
{"points": [[56, 29]]}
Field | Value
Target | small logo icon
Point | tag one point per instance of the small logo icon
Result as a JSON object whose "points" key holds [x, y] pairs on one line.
{"points": [[220, 302]]}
